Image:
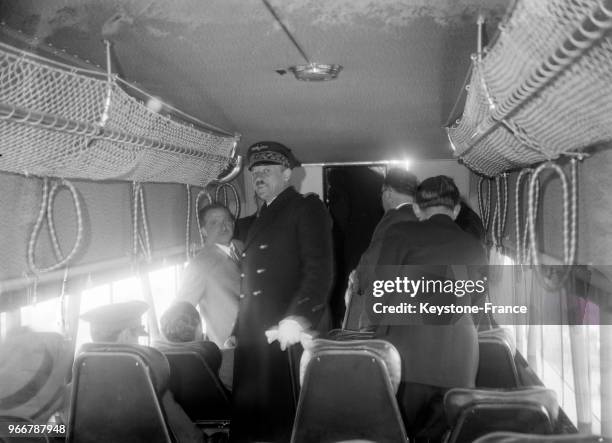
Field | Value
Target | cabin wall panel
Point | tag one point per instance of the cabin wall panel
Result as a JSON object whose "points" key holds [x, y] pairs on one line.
{"points": [[106, 215], [595, 209], [594, 246]]}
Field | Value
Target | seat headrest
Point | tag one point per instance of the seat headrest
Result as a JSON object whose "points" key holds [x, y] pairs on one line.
{"points": [[515, 437], [457, 399], [498, 335], [189, 346], [208, 351], [381, 350], [154, 359], [346, 335]]}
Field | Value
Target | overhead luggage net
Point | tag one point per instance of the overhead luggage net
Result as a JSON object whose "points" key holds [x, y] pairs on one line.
{"points": [[542, 90], [72, 123]]}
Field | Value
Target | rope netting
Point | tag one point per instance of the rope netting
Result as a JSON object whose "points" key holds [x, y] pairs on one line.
{"points": [[542, 90], [59, 122]]}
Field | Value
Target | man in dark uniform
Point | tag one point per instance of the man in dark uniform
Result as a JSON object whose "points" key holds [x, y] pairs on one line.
{"points": [[286, 279], [438, 351], [397, 197], [243, 224]]}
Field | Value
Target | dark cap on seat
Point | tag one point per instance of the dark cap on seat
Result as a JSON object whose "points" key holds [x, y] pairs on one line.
{"points": [[271, 153], [117, 317]]}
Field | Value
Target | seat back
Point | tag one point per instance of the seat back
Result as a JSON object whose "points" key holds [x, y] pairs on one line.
{"points": [[514, 437], [473, 413], [195, 386], [348, 392], [347, 334], [496, 366], [116, 395]]}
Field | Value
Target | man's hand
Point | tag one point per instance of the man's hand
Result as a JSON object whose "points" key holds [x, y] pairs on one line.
{"points": [[288, 332], [351, 287]]}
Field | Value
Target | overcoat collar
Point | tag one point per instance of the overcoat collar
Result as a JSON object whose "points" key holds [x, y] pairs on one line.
{"points": [[441, 219], [270, 213]]}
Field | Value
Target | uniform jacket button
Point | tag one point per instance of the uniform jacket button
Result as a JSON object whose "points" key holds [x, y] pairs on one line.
{"points": [[263, 246], [256, 293], [241, 295], [244, 254], [261, 271], [242, 275]]}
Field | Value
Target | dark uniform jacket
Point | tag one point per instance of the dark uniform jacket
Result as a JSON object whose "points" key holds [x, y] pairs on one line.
{"points": [[436, 350], [242, 226], [364, 273], [286, 271]]}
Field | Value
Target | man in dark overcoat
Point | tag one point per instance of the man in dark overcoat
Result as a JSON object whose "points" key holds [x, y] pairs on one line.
{"points": [[286, 278], [438, 352], [397, 197]]}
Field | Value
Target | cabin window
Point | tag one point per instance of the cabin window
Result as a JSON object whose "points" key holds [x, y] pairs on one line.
{"points": [[559, 354], [42, 316], [164, 288], [556, 370]]}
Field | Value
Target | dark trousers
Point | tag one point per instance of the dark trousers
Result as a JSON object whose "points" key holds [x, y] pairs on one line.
{"points": [[422, 409], [264, 394]]}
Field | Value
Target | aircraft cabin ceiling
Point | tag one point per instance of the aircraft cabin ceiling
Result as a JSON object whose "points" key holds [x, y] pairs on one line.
{"points": [[404, 62]]}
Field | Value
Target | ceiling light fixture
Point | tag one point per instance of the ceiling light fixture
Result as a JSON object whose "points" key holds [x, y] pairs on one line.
{"points": [[315, 72], [310, 71]]}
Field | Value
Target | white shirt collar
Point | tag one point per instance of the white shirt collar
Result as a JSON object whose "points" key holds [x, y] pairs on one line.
{"points": [[225, 249]]}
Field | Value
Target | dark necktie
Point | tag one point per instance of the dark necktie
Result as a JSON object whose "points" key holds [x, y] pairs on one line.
{"points": [[263, 209]]}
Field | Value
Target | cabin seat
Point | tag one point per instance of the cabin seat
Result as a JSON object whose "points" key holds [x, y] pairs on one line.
{"points": [[348, 393], [120, 394], [514, 437], [472, 413], [496, 366], [194, 380]]}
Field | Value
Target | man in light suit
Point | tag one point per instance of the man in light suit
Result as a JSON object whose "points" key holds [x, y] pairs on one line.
{"points": [[287, 267], [212, 281], [438, 351], [397, 197]]}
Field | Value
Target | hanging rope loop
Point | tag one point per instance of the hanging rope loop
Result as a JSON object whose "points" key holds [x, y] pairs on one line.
{"points": [[569, 192], [223, 189], [46, 212], [484, 203], [521, 254], [498, 223], [567, 259], [573, 210], [502, 208], [526, 246], [188, 224], [202, 193], [141, 244]]}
